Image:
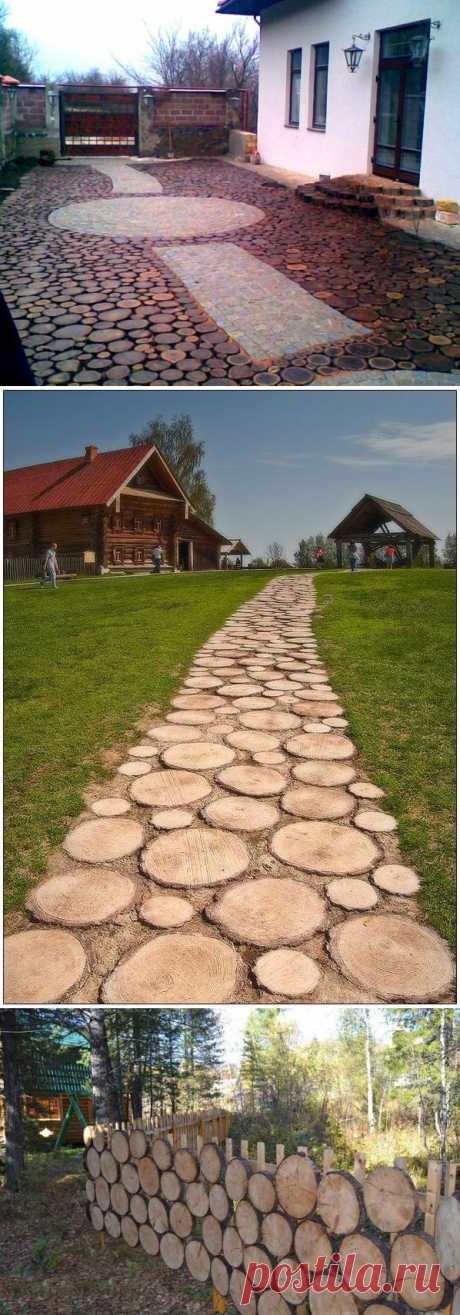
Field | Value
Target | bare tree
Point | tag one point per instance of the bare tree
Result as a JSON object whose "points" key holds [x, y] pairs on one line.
{"points": [[94, 77], [14, 1133], [106, 1105], [275, 554]]}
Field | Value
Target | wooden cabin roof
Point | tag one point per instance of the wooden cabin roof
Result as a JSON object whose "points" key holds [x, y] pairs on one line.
{"points": [[84, 481], [371, 511], [236, 546]]}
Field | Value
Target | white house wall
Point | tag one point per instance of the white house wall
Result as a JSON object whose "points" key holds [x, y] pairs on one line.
{"points": [[346, 146]]}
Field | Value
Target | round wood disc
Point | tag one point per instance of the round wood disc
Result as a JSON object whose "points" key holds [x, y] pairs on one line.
{"points": [[339, 1202], [320, 696], [42, 966], [200, 857], [190, 718], [366, 790], [171, 734], [232, 1247], [202, 682], [162, 1153], [175, 969], [239, 813], [100, 1140], [311, 1242], [170, 788], [180, 1218], [97, 1218], [261, 1191], [249, 779], [109, 1167], [197, 1199], [198, 702], [158, 1215], [390, 1199], [237, 1285], [143, 751], [396, 879], [366, 1251], [287, 972], [112, 806], [202, 755], [372, 820], [276, 1234], [166, 911], [212, 1162], [119, 1146], [133, 768], [273, 1303], [102, 1193], [119, 1199], [270, 758], [137, 1144], [247, 1222], [239, 689], [237, 1176], [307, 707], [112, 1224], [83, 898], [170, 1186], [272, 720], [323, 773], [313, 801], [149, 1240], [351, 893], [172, 1250], [186, 1165], [413, 1248], [332, 1303], [149, 1177], [220, 1275], [197, 1260], [324, 847], [269, 911], [130, 1178], [392, 957], [212, 1235], [327, 747], [138, 1208], [295, 1182], [219, 1202], [172, 819], [447, 1236], [130, 1231], [253, 741], [93, 1162], [103, 839], [90, 1189]]}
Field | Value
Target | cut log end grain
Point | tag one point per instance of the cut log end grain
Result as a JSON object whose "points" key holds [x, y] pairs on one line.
{"points": [[212, 1235], [112, 1224], [272, 1303], [137, 1144], [311, 1242], [250, 780], [261, 1191], [119, 1146], [197, 1260], [162, 1153], [83, 897], [287, 972], [158, 1215], [212, 1162], [269, 912], [237, 1176], [238, 813], [392, 957], [237, 1285], [175, 969], [276, 1234], [167, 734], [201, 755], [365, 1250], [396, 879], [247, 1223], [172, 1251], [130, 1232], [170, 789], [351, 893], [196, 857], [197, 1199], [447, 1236], [296, 1187], [96, 1217], [339, 1202], [232, 1247], [139, 1208], [104, 839], [314, 802], [332, 1303], [119, 1199], [390, 1199], [324, 847], [181, 1220], [417, 1249], [186, 1165], [41, 966], [324, 773], [220, 1275], [93, 1162], [90, 1190], [102, 1193], [170, 1186], [219, 1202], [331, 747], [149, 1177], [109, 1167], [130, 1178]]}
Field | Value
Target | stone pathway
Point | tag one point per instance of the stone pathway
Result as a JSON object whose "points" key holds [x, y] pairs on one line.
{"points": [[238, 854], [106, 308]]}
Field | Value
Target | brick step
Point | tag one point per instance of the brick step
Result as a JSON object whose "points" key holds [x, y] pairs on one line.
{"points": [[405, 203], [348, 202], [400, 212]]}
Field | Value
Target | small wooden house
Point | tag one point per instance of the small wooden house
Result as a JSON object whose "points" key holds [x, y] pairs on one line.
{"points": [[235, 548], [376, 523], [114, 507]]}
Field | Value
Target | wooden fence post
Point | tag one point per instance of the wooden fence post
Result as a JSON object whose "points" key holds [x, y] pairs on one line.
{"points": [[359, 1167], [433, 1194], [260, 1155], [279, 1152], [451, 1178], [244, 1150], [328, 1159]]}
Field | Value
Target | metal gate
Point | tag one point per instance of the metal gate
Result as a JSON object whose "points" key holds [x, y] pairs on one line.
{"points": [[99, 121]]}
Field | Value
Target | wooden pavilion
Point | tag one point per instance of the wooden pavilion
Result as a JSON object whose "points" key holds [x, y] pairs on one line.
{"points": [[376, 523], [237, 549]]}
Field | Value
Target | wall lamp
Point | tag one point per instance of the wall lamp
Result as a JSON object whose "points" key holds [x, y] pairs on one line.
{"points": [[353, 53]]}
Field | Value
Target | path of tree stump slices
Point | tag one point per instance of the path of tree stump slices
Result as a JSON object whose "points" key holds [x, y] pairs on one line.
{"points": [[244, 858]]}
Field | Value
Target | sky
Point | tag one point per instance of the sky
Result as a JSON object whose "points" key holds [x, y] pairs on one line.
{"points": [[89, 34], [283, 464], [314, 1023]]}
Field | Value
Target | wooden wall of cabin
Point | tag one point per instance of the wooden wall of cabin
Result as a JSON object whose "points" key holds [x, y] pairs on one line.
{"points": [[130, 534]]}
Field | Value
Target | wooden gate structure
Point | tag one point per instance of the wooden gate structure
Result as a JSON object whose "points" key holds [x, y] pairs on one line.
{"points": [[99, 120]]}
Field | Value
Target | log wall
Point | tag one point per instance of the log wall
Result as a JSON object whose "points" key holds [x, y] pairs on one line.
{"points": [[214, 1211]]}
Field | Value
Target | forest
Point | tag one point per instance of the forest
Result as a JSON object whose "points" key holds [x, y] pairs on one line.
{"points": [[386, 1083]]}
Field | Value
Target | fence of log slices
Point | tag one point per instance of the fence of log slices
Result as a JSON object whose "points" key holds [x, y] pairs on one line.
{"points": [[213, 1212]]}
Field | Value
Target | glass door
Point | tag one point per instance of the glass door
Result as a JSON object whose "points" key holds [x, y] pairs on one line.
{"points": [[401, 102]]}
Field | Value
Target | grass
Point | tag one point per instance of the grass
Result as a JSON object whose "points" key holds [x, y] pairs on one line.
{"points": [[81, 666], [388, 639]]}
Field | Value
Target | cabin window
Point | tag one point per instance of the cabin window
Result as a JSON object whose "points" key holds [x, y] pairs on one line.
{"points": [[128, 553], [157, 527], [321, 71], [138, 554], [138, 523], [127, 522], [116, 522], [295, 74], [11, 529], [117, 554]]}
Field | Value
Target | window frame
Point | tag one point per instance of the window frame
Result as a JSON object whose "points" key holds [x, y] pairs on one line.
{"points": [[139, 524], [319, 68], [293, 74], [11, 530]]}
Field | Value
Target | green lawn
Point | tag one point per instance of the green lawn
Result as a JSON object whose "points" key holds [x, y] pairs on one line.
{"points": [[82, 663], [389, 643]]}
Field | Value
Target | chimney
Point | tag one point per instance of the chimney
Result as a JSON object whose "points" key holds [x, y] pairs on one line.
{"points": [[90, 452]]}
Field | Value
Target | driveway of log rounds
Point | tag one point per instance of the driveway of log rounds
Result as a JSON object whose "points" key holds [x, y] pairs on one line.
{"points": [[110, 310], [238, 854]]}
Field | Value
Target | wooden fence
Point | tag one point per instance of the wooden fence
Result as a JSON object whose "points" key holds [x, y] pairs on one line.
{"points": [[16, 569]]}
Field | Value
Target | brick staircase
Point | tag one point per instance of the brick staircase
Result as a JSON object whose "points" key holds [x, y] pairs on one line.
{"points": [[369, 196]]}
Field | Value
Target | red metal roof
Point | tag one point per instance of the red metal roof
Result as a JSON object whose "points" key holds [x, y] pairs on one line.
{"points": [[73, 482]]}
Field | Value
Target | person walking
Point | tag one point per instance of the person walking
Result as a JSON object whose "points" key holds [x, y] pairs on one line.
{"points": [[354, 557], [319, 555], [390, 554], [51, 568], [157, 558]]}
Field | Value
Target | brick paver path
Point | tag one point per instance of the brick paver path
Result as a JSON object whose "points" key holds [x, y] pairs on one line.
{"points": [[109, 310], [238, 835]]}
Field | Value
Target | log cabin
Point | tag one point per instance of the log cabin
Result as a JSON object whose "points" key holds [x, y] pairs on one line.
{"points": [[110, 507]]}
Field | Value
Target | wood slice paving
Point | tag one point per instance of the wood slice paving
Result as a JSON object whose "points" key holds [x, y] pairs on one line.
{"points": [[108, 309], [231, 878]]}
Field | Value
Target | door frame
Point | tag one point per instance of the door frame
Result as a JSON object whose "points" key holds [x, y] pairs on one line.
{"points": [[403, 63]]}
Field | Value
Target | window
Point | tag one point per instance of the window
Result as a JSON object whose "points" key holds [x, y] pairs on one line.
{"points": [[157, 527], [116, 522], [295, 73], [11, 530], [128, 522], [117, 555], [138, 554], [138, 523], [321, 57]]}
